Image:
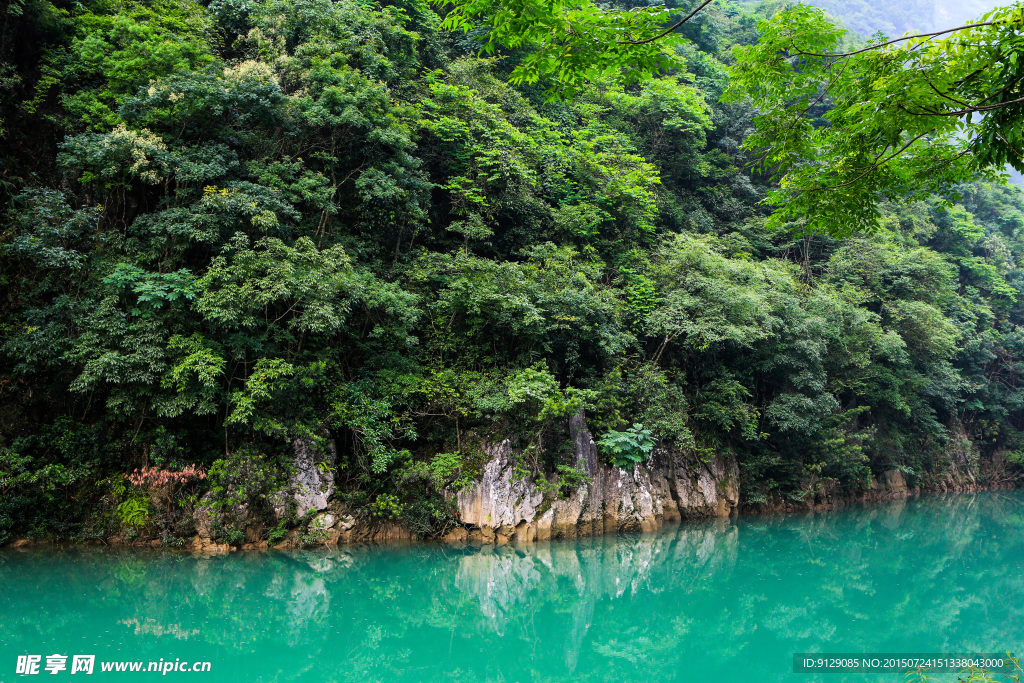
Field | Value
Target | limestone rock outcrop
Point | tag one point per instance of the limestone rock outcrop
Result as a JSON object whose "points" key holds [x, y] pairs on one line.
{"points": [[501, 506], [499, 499], [504, 505], [312, 483]]}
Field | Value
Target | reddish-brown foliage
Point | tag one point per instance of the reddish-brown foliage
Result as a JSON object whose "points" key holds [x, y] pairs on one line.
{"points": [[151, 476]]}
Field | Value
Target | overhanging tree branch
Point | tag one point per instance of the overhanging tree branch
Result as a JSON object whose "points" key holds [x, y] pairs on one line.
{"points": [[670, 29], [801, 53], [872, 167], [964, 112]]}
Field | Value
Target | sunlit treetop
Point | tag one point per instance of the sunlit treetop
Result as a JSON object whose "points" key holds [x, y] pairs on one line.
{"points": [[574, 41], [905, 117]]}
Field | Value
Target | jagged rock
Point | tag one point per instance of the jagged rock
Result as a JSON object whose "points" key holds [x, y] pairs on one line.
{"points": [[629, 503], [322, 522], [312, 486], [498, 498], [207, 546], [894, 481], [204, 517], [258, 545], [668, 488], [350, 530], [699, 489], [526, 532], [312, 483], [544, 524], [502, 507], [290, 540]]}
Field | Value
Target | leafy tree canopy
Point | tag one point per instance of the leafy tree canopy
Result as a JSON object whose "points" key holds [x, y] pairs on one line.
{"points": [[839, 129]]}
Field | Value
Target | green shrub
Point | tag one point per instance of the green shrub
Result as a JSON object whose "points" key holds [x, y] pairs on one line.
{"points": [[247, 477], [570, 479], [277, 534], [314, 535], [629, 448], [386, 506], [133, 512]]}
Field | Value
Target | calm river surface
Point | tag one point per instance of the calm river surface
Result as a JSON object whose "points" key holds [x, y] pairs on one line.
{"points": [[717, 601]]}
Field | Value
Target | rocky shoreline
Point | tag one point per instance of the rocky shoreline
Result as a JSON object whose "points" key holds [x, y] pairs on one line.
{"points": [[502, 507]]}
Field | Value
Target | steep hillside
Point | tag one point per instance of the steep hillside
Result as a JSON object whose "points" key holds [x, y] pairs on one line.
{"points": [[274, 253]]}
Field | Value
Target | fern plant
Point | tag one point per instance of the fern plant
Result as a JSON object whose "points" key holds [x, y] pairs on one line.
{"points": [[629, 448], [133, 512]]}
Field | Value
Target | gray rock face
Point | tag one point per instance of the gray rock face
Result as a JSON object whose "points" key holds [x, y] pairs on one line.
{"points": [[499, 500], [699, 488], [894, 481], [311, 486], [504, 507], [499, 507], [312, 483]]}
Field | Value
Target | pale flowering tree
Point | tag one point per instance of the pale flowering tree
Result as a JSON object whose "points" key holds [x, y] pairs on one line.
{"points": [[164, 483]]}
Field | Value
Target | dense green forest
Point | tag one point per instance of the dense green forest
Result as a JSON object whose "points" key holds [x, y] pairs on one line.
{"points": [[230, 225]]}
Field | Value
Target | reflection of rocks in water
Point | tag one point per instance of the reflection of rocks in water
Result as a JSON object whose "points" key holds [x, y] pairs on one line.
{"points": [[304, 591], [596, 568], [892, 513], [499, 580], [308, 602], [795, 623], [582, 618], [702, 550], [151, 626]]}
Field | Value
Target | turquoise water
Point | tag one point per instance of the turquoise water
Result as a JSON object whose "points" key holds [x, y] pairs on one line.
{"points": [[716, 601]]}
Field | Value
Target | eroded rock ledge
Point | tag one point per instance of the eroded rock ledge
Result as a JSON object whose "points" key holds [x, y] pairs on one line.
{"points": [[502, 506], [499, 507]]}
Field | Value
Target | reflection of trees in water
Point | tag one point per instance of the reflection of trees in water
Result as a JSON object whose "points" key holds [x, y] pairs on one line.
{"points": [[942, 574]]}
